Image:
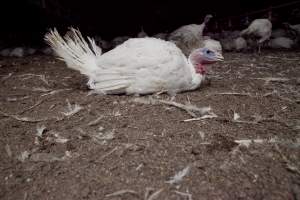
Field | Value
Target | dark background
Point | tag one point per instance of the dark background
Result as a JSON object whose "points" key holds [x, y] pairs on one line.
{"points": [[26, 21]]}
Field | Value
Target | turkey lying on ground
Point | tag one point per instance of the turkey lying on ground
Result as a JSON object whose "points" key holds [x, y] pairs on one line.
{"points": [[294, 31], [281, 42], [189, 37], [295, 27], [239, 44], [138, 66], [260, 29]]}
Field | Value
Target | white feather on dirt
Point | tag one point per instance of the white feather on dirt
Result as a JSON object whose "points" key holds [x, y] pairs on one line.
{"points": [[207, 116], [121, 192], [45, 157], [96, 121], [40, 130], [155, 194], [109, 135], [202, 134], [8, 150], [54, 92], [236, 116], [178, 177], [57, 138], [72, 109], [247, 142], [24, 155]]}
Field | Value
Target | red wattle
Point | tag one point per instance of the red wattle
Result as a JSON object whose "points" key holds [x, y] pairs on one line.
{"points": [[201, 69]]}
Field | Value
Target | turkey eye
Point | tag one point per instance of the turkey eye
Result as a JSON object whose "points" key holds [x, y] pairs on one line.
{"points": [[208, 52]]}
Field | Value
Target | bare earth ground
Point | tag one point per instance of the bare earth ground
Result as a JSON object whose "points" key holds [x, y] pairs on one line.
{"points": [[59, 141]]}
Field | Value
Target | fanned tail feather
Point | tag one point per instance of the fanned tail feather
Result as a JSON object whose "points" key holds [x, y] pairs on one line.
{"points": [[75, 50]]}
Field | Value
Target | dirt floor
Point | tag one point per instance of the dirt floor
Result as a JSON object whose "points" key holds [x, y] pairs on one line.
{"points": [[60, 141]]}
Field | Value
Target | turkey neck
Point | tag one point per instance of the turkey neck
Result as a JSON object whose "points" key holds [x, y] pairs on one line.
{"points": [[197, 62]]}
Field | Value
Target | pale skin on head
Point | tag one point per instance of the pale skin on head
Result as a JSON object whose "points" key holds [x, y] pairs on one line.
{"points": [[202, 57]]}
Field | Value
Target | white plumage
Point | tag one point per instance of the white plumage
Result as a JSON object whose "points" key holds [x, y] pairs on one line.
{"points": [[138, 66], [281, 42], [189, 37], [227, 44], [239, 43], [259, 28], [213, 45], [17, 52], [236, 44]]}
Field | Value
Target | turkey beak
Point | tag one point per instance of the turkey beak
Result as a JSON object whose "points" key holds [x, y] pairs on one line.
{"points": [[219, 57]]}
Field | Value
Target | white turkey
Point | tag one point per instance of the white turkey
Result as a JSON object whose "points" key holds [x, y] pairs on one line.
{"points": [[17, 52], [260, 29], [138, 66], [189, 37], [294, 31], [239, 44], [213, 45], [227, 44], [281, 42]]}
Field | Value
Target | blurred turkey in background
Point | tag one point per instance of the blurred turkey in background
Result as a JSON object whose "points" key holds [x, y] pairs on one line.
{"points": [[24, 23]]}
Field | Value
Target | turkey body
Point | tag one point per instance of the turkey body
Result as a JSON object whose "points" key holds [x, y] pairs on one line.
{"points": [[261, 28], [240, 43], [188, 37], [142, 66], [138, 66], [281, 42]]}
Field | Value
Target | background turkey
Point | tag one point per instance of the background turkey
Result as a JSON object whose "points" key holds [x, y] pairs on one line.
{"points": [[189, 37]]}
